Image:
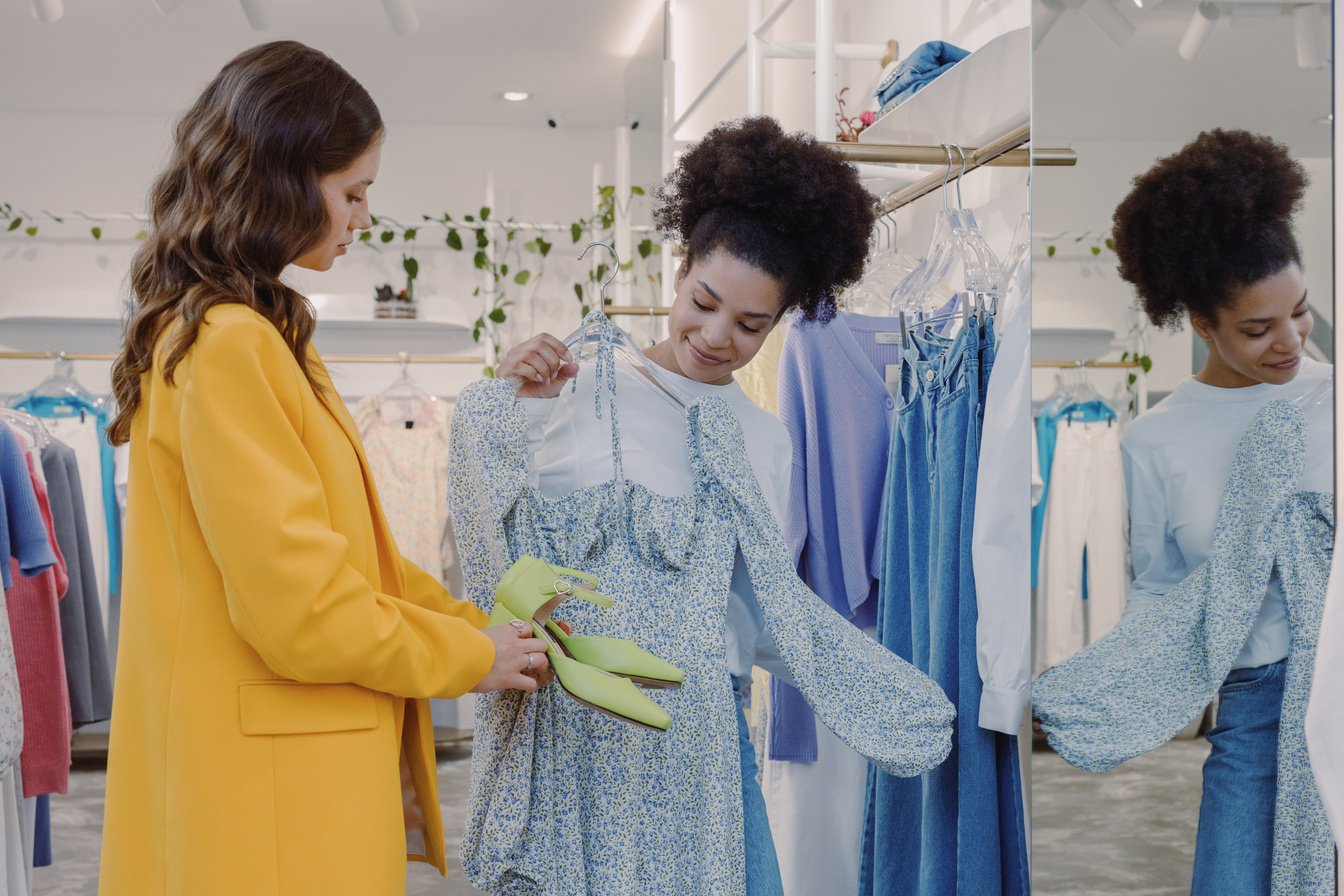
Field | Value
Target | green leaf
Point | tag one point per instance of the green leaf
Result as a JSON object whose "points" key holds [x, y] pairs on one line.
{"points": [[544, 246], [627, 265], [426, 218], [1050, 251], [387, 236], [522, 277], [476, 334], [645, 247], [365, 236], [578, 292], [31, 231], [476, 291], [1133, 379], [512, 235], [468, 217], [141, 235], [480, 260], [1096, 250], [1110, 244], [482, 240], [601, 271], [485, 213], [606, 191], [97, 232], [530, 246], [1146, 363], [497, 315], [636, 190], [410, 266], [1124, 356], [409, 234], [504, 270], [584, 310], [454, 240], [490, 372], [575, 231], [18, 222], [373, 220]]}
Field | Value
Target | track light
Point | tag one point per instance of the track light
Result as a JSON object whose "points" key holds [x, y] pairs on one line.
{"points": [[1313, 33], [259, 13], [1198, 31], [47, 10], [402, 16], [1047, 13], [1109, 19]]}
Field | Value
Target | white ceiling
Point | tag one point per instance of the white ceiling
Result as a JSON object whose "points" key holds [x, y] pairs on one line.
{"points": [[124, 56], [1087, 88]]}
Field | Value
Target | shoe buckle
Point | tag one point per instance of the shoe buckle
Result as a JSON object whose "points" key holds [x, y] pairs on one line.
{"points": [[563, 586]]}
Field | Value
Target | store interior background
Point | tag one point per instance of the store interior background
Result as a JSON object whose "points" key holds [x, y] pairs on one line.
{"points": [[1111, 84]]}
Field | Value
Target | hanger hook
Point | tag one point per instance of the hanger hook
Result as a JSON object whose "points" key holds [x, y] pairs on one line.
{"points": [[961, 152], [948, 176], [615, 269]]}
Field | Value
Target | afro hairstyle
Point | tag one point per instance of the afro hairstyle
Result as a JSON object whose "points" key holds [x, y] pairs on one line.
{"points": [[782, 203], [1213, 218]]}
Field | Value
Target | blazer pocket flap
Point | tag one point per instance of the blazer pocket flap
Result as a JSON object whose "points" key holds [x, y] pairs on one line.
{"points": [[283, 707]]}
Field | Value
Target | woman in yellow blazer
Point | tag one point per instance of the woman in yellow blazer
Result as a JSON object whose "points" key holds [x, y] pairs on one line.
{"points": [[270, 735]]}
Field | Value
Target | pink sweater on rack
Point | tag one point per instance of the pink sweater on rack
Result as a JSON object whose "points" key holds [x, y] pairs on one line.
{"points": [[34, 621]]}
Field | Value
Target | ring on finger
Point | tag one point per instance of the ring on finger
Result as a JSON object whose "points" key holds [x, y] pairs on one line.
{"points": [[519, 625], [531, 657]]}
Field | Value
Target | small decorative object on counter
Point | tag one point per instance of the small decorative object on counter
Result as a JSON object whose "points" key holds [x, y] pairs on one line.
{"points": [[848, 128]]}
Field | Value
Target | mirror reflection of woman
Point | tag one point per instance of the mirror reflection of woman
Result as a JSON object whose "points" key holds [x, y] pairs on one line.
{"points": [[1206, 235]]}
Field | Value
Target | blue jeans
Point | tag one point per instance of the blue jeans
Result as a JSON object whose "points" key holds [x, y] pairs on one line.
{"points": [[1235, 843], [762, 864]]}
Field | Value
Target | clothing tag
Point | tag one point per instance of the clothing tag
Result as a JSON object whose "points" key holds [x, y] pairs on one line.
{"points": [[887, 338], [893, 378]]}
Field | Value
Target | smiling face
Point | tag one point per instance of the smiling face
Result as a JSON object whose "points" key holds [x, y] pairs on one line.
{"points": [[346, 196], [723, 312], [1260, 337]]}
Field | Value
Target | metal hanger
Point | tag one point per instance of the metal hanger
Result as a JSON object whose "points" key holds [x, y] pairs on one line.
{"points": [[405, 390]]}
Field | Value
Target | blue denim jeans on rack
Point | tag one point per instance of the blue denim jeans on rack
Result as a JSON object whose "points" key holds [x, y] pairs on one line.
{"points": [[1234, 846], [763, 877], [958, 828]]}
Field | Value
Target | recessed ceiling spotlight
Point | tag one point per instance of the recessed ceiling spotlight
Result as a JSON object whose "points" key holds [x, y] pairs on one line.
{"points": [[516, 96], [1326, 119]]}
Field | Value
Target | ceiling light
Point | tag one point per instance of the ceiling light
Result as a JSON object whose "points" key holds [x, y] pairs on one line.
{"points": [[1047, 14], [402, 16], [1313, 33], [259, 13], [1198, 31], [1118, 28], [47, 10], [167, 6], [1328, 118], [516, 96]]}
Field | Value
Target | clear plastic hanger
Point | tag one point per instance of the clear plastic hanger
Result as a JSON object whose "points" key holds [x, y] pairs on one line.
{"points": [[27, 425], [405, 400], [1320, 394], [597, 329], [63, 384], [925, 281]]}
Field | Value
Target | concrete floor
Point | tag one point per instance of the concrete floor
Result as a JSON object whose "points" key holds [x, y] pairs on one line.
{"points": [[1130, 831]]}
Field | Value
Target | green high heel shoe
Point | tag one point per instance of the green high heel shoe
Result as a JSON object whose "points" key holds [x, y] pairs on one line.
{"points": [[534, 584], [609, 694]]}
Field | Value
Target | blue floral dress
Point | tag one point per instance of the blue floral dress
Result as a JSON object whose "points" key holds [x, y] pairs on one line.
{"points": [[1175, 654], [567, 801]]}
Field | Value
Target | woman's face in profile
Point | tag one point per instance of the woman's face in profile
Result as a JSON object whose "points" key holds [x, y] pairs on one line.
{"points": [[346, 196]]}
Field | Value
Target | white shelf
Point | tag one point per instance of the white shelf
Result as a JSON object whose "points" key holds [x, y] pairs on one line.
{"points": [[984, 96], [103, 335]]}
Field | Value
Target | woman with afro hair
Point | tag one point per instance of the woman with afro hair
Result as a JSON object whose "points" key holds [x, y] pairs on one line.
{"points": [[771, 222], [1207, 235]]}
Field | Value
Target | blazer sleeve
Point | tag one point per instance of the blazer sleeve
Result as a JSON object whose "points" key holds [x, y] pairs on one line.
{"points": [[423, 590], [291, 590]]}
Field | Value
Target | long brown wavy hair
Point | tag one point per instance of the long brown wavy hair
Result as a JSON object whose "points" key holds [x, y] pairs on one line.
{"points": [[238, 201]]}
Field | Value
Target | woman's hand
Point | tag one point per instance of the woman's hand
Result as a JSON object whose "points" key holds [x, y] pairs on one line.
{"points": [[539, 367], [520, 660]]}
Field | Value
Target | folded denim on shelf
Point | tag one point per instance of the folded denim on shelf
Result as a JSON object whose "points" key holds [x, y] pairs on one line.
{"points": [[917, 71]]}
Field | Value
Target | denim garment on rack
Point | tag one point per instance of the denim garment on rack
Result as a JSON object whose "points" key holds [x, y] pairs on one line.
{"points": [[567, 801], [1179, 651], [960, 827], [917, 71], [763, 876]]}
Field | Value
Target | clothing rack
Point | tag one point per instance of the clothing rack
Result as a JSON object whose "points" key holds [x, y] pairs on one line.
{"points": [[1004, 150], [400, 358], [1094, 365]]}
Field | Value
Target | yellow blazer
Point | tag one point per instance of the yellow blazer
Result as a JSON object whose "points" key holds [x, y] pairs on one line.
{"points": [[269, 732]]}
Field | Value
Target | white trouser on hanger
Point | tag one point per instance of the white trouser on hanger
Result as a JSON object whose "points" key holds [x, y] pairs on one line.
{"points": [[1086, 510], [816, 817]]}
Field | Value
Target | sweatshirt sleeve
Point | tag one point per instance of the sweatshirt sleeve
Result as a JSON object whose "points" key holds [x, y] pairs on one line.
{"points": [[1158, 565]]}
